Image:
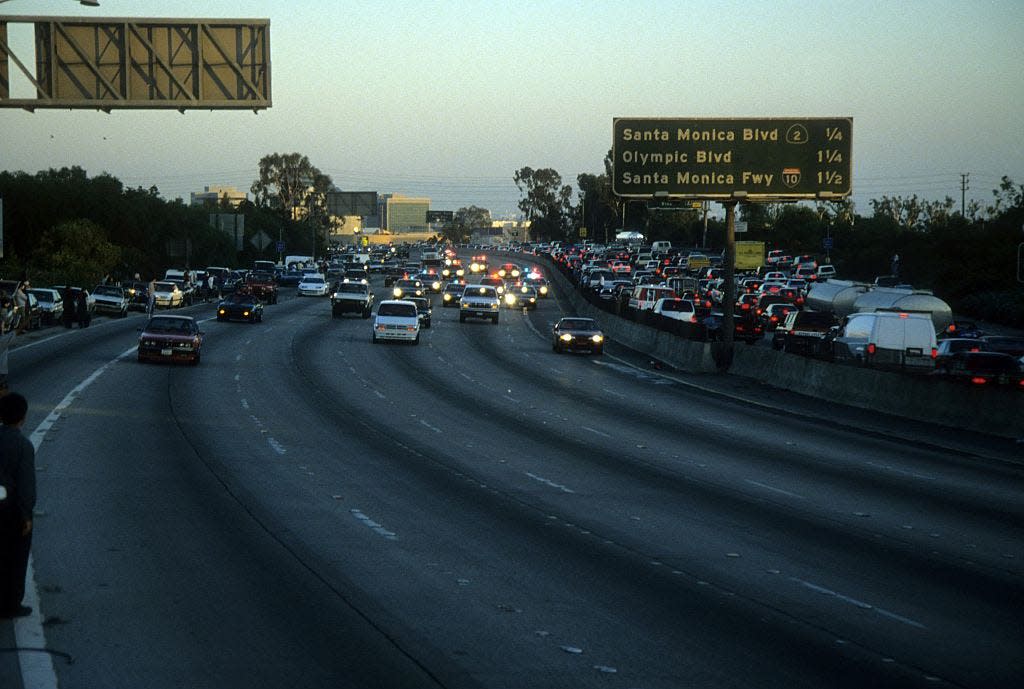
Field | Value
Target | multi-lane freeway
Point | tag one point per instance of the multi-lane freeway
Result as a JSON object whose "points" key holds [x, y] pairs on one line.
{"points": [[307, 509]]}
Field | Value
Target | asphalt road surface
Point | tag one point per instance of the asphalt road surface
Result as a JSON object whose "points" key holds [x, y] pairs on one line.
{"points": [[308, 509]]}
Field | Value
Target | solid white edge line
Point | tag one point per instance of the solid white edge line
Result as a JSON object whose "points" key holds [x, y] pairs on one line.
{"points": [[37, 669]]}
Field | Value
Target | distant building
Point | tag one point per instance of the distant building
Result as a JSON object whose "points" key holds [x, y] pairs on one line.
{"points": [[217, 196], [403, 213], [513, 231]]}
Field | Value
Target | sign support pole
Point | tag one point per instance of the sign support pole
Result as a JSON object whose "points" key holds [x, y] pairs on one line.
{"points": [[724, 358]]}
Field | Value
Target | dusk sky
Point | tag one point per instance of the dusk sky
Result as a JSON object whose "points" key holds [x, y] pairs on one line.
{"points": [[449, 99]]}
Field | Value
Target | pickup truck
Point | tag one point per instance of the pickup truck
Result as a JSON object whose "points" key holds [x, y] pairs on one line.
{"points": [[806, 333], [479, 301], [351, 296]]}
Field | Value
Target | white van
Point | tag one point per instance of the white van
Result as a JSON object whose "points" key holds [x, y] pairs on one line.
{"points": [[661, 247], [888, 339], [644, 297]]}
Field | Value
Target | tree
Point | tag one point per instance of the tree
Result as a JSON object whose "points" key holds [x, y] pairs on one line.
{"points": [[906, 213], [79, 253], [598, 206], [546, 203], [294, 187], [1008, 196], [464, 221], [289, 180]]}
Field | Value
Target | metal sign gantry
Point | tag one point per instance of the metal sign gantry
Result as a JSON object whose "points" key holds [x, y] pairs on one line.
{"points": [[142, 63]]}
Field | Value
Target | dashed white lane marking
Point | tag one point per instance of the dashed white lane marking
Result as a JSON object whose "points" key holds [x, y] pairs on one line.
{"points": [[902, 472], [433, 428], [380, 394], [37, 668], [245, 403], [377, 528], [278, 447], [860, 604], [549, 482], [775, 490], [595, 431]]}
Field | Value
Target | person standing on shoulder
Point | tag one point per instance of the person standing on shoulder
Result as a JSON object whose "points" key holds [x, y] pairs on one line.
{"points": [[68, 298], [21, 304], [18, 477], [151, 303], [82, 309], [6, 339]]}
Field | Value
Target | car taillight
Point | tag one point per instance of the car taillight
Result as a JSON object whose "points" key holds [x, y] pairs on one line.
{"points": [[871, 348], [935, 353], [978, 380]]}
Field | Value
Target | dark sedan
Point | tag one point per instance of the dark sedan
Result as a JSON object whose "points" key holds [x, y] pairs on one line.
{"points": [[170, 338], [985, 368], [577, 335], [240, 306], [452, 293]]}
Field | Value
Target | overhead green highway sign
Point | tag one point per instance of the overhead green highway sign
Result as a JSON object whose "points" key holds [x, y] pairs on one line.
{"points": [[760, 159]]}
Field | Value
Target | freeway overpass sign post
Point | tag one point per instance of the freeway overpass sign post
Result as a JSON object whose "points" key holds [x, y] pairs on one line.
{"points": [[732, 160]]}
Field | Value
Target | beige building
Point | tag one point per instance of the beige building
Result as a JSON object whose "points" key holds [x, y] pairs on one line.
{"points": [[216, 196], [403, 213], [513, 231]]}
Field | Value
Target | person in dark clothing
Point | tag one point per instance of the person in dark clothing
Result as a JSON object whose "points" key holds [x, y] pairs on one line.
{"points": [[68, 297], [82, 309], [18, 478]]}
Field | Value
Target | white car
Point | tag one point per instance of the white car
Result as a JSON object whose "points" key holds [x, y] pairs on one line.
{"points": [[396, 319], [678, 309], [312, 285], [168, 295], [50, 303]]}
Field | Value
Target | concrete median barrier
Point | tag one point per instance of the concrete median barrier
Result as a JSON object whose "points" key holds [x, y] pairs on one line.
{"points": [[997, 411]]}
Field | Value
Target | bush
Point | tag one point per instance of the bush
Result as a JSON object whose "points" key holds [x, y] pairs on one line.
{"points": [[1004, 308]]}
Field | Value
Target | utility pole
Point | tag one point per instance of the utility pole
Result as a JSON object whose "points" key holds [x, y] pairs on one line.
{"points": [[963, 192]]}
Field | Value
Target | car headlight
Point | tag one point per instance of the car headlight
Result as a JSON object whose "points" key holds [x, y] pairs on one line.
{"points": [[447, 297], [565, 337], [221, 312], [510, 299], [435, 285], [543, 289], [597, 339], [398, 291]]}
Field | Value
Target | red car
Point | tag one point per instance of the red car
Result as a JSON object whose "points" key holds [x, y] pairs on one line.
{"points": [[170, 338]]}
